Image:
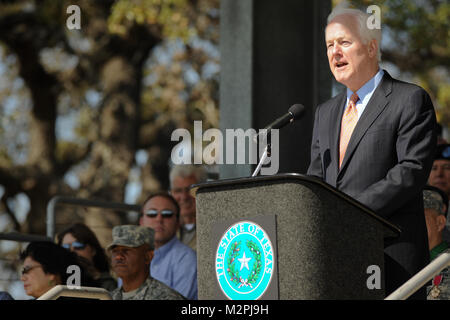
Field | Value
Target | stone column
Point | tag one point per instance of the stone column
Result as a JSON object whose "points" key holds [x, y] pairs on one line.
{"points": [[273, 56]]}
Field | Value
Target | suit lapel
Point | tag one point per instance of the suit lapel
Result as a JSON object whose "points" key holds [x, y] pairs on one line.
{"points": [[376, 105], [335, 132]]}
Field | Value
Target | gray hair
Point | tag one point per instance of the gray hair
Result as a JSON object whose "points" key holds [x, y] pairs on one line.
{"points": [[365, 32], [187, 170]]}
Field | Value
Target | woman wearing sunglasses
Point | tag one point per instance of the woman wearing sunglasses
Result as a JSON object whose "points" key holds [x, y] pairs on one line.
{"points": [[82, 240], [45, 266]]}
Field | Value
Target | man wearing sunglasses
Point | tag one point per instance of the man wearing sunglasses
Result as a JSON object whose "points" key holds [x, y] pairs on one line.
{"points": [[174, 263], [77, 246]]}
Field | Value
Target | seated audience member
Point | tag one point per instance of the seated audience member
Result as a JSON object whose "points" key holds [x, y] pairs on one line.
{"points": [[82, 240], [131, 253], [440, 178], [174, 263], [435, 204], [181, 177], [45, 265]]}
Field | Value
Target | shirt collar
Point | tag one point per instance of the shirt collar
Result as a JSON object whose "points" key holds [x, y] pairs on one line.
{"points": [[438, 249], [129, 294], [189, 226], [167, 246], [365, 92]]}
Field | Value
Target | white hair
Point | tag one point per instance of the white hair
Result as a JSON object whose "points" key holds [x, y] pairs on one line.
{"points": [[187, 170], [365, 32]]}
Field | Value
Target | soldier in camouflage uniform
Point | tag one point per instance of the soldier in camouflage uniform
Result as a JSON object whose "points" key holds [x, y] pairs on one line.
{"points": [[435, 204], [131, 254]]}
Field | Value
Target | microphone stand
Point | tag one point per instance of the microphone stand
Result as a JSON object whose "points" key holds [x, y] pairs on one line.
{"points": [[265, 155], [295, 111]]}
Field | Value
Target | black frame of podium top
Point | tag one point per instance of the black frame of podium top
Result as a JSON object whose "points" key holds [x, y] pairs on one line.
{"points": [[327, 245]]}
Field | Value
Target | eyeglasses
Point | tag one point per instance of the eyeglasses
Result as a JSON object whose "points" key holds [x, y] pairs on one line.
{"points": [[152, 213], [76, 245], [27, 269]]}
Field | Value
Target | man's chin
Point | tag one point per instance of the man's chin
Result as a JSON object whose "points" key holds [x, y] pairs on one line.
{"points": [[120, 271], [189, 214], [343, 75], [443, 186], [341, 78], [28, 291]]}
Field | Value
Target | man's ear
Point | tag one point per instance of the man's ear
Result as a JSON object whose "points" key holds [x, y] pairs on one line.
{"points": [[372, 47], [54, 279], [149, 256], [441, 220]]}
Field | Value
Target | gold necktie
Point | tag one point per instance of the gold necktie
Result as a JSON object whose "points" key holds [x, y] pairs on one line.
{"points": [[349, 120]]}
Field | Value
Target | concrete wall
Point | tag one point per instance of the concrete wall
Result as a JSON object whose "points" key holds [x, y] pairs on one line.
{"points": [[273, 56]]}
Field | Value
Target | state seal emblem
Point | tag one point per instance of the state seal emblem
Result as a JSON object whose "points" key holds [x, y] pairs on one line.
{"points": [[244, 261]]}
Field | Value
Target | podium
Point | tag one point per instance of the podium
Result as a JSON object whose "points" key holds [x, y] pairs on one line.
{"points": [[288, 237]]}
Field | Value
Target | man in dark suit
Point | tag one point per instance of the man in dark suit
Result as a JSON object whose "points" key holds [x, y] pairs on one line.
{"points": [[375, 142]]}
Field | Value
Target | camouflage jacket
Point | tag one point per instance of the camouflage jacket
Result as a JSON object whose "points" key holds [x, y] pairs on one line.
{"points": [[151, 289], [442, 292]]}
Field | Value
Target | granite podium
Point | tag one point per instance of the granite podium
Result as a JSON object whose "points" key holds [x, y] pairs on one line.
{"points": [[288, 237]]}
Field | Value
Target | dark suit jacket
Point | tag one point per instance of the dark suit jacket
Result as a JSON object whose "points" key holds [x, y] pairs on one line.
{"points": [[386, 165]]}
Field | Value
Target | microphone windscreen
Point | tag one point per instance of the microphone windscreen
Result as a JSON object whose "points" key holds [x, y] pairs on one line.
{"points": [[297, 110]]}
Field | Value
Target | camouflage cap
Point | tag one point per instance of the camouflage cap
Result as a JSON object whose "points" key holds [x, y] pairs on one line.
{"points": [[132, 236], [433, 200]]}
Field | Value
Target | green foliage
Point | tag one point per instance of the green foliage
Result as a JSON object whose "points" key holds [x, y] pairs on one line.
{"points": [[51, 12], [66, 150], [47, 72], [112, 53], [172, 16], [231, 258], [257, 265]]}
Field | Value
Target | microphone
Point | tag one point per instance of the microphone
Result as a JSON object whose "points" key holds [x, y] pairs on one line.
{"points": [[295, 112]]}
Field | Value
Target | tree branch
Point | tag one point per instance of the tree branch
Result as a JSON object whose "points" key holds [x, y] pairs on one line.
{"points": [[11, 214]]}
